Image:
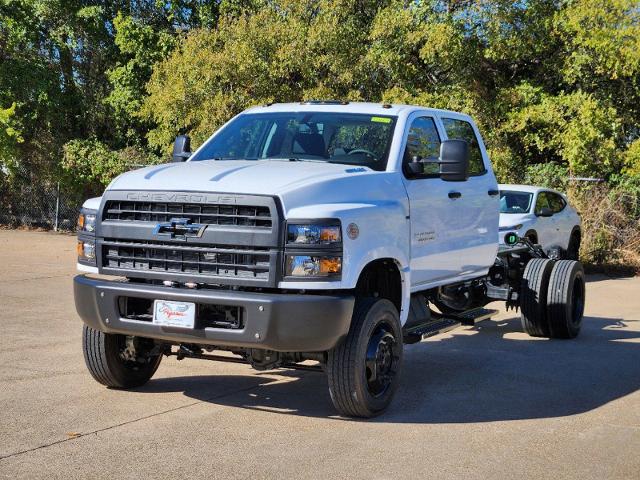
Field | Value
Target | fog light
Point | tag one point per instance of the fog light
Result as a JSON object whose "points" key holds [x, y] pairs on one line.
{"points": [[312, 266], [86, 251]]}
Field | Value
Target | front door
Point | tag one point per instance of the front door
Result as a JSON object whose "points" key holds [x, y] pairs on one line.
{"points": [[546, 227]]}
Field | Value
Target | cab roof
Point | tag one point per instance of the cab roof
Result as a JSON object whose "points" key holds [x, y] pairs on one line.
{"points": [[366, 108]]}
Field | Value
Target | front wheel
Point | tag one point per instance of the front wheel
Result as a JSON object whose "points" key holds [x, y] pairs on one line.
{"points": [[119, 361], [364, 369]]}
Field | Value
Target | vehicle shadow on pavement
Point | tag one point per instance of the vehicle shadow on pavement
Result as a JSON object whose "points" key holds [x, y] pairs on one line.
{"points": [[489, 372]]}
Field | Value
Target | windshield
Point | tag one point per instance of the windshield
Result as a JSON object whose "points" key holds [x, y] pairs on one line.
{"points": [[352, 139], [515, 202]]}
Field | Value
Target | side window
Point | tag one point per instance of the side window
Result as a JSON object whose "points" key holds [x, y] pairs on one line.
{"points": [[423, 142], [461, 130], [557, 202], [542, 201]]}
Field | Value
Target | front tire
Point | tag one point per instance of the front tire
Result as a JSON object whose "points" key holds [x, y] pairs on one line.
{"points": [[112, 362], [363, 370]]}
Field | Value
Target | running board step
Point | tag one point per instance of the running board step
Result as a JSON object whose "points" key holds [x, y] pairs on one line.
{"points": [[429, 329], [470, 317]]}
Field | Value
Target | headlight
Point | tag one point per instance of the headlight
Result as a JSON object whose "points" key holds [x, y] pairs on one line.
{"points": [[313, 234], [87, 221], [86, 251], [313, 249], [86, 247], [312, 266], [514, 227]]}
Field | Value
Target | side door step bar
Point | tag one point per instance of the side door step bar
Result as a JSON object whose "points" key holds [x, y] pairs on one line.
{"points": [[470, 317], [429, 329], [439, 324]]}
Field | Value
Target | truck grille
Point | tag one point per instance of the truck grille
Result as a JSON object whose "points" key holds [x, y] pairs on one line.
{"points": [[202, 237], [211, 261], [205, 214]]}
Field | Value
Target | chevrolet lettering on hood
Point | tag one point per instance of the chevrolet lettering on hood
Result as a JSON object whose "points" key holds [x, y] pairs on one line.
{"points": [[181, 197]]}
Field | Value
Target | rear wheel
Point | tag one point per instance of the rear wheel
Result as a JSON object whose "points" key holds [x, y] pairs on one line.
{"points": [[533, 297], [119, 361], [565, 299], [363, 370]]}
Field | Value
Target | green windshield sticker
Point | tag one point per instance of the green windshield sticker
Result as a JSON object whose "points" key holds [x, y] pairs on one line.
{"points": [[381, 119]]}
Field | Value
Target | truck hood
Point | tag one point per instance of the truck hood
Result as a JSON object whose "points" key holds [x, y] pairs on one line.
{"points": [[262, 177]]}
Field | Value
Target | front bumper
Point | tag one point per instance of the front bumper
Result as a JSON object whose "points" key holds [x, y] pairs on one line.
{"points": [[281, 322]]}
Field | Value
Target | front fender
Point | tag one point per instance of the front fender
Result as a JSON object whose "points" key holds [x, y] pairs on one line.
{"points": [[383, 232]]}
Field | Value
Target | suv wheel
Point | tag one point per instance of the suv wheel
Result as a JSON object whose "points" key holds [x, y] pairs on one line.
{"points": [[364, 369], [119, 361], [573, 249]]}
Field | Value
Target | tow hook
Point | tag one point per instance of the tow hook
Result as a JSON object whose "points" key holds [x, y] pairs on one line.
{"points": [[184, 351]]}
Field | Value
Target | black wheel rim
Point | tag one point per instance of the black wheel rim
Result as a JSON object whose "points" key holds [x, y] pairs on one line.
{"points": [[381, 364], [577, 301], [133, 359]]}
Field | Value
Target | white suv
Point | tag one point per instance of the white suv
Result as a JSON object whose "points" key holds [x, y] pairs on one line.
{"points": [[543, 216]]}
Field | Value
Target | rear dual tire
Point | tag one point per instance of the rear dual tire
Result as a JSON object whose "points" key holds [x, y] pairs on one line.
{"points": [[552, 298], [565, 299]]}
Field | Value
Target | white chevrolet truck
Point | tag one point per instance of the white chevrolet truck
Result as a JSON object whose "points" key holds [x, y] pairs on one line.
{"points": [[330, 232]]}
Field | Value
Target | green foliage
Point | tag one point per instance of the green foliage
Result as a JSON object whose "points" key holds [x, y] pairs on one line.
{"points": [[552, 84], [549, 175], [10, 136], [91, 163]]}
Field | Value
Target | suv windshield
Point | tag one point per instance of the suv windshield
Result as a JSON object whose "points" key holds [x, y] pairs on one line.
{"points": [[515, 202], [352, 139]]}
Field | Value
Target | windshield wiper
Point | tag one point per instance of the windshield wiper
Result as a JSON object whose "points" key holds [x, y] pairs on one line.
{"points": [[292, 159]]}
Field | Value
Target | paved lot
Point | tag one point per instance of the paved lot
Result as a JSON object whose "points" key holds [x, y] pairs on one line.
{"points": [[481, 402]]}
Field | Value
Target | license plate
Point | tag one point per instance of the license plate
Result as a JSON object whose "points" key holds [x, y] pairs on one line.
{"points": [[174, 314]]}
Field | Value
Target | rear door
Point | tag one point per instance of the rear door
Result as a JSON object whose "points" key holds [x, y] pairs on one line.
{"points": [[477, 209], [454, 225]]}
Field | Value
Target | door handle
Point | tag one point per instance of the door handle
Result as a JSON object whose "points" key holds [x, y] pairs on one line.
{"points": [[455, 194], [493, 193]]}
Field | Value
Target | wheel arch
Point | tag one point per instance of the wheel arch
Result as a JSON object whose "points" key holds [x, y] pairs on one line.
{"points": [[385, 278], [532, 233], [576, 230]]}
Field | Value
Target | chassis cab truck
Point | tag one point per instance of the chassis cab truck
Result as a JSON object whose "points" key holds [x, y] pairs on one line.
{"points": [[326, 231]]}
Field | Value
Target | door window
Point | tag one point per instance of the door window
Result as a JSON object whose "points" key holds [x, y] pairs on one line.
{"points": [[462, 130], [543, 201], [423, 142], [556, 201]]}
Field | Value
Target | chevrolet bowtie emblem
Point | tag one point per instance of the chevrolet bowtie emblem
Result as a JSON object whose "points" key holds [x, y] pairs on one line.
{"points": [[180, 228]]}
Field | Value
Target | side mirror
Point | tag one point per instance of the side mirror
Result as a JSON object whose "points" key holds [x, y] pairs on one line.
{"points": [[181, 148], [454, 160], [545, 212]]}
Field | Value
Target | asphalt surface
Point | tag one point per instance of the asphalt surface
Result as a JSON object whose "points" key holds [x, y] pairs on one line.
{"points": [[478, 402]]}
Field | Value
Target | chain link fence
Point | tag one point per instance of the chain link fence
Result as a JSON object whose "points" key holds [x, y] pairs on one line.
{"points": [[27, 200]]}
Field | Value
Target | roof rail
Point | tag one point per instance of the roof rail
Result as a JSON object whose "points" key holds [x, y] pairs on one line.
{"points": [[324, 102]]}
